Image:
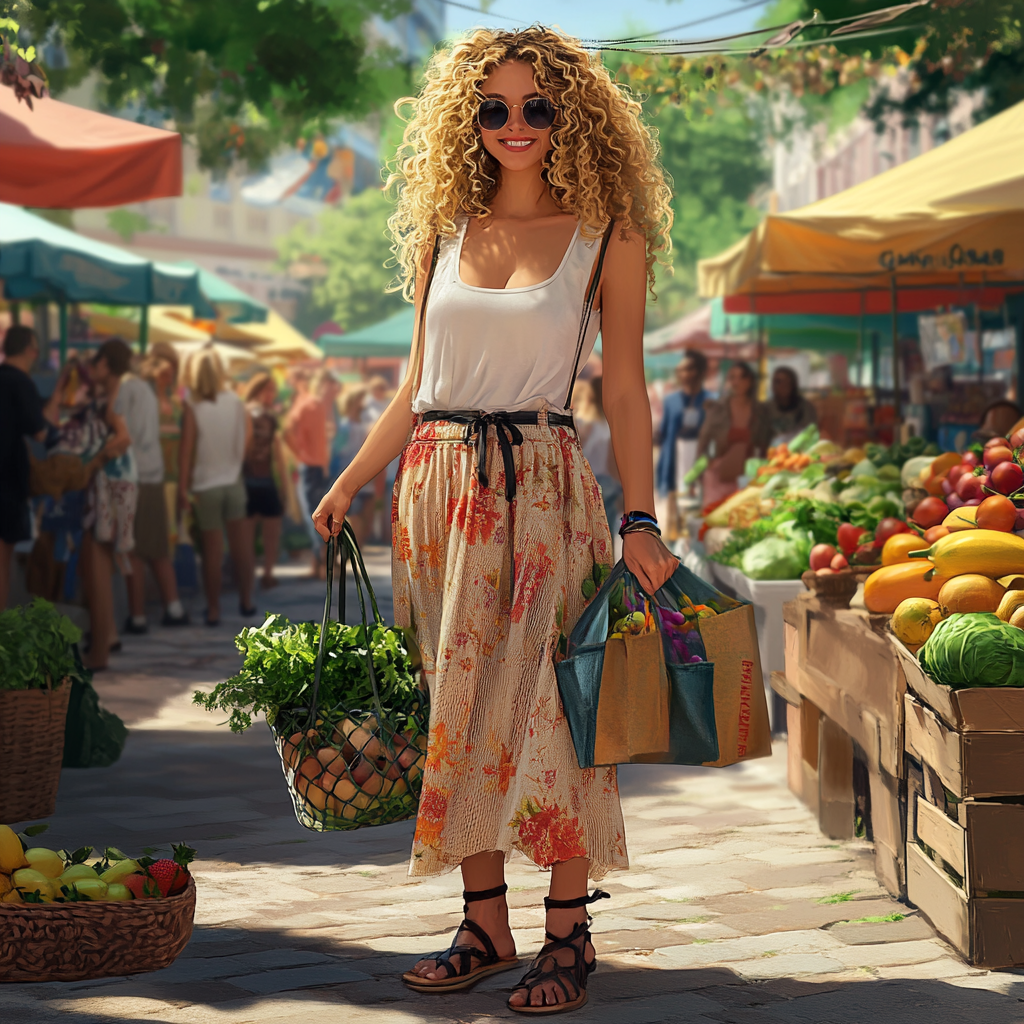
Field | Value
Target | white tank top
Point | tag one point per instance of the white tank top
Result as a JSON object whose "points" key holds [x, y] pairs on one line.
{"points": [[220, 441], [504, 349]]}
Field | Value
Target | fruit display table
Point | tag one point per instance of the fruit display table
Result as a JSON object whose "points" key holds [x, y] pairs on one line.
{"points": [[844, 688], [965, 813]]}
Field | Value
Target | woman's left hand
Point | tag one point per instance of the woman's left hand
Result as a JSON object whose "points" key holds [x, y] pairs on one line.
{"points": [[648, 560]]}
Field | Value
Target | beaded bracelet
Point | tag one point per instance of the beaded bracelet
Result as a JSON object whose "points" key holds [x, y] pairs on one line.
{"points": [[636, 517], [640, 527]]}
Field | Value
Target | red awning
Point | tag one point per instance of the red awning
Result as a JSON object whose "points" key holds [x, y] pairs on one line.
{"points": [[867, 302], [63, 157]]}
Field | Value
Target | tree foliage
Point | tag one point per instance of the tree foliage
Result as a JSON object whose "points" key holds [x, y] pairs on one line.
{"points": [[939, 51], [238, 76], [350, 244]]}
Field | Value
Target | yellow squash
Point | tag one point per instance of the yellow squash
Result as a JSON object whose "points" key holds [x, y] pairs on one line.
{"points": [[1010, 602], [887, 587], [963, 518], [989, 553]]}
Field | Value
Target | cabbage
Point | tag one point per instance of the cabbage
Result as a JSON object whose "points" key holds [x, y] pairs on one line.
{"points": [[780, 557], [974, 649]]}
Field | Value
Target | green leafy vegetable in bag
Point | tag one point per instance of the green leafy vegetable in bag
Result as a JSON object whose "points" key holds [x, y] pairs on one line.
{"points": [[277, 672], [974, 649]]}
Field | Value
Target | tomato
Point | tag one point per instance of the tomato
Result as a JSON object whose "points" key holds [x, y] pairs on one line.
{"points": [[1017, 438], [997, 513], [867, 554], [1007, 477], [958, 471], [821, 556], [838, 563], [848, 537], [993, 456], [931, 511], [969, 487], [970, 459], [935, 533], [996, 442], [887, 528]]}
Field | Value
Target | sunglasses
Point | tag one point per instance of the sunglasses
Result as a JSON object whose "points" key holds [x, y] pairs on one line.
{"points": [[538, 113]]}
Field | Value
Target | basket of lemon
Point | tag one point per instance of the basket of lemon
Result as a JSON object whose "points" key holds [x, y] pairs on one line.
{"points": [[347, 712], [65, 919]]}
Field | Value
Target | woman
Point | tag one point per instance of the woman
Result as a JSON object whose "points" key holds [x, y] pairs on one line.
{"points": [[214, 436], [736, 427], [520, 150], [791, 412], [109, 521], [352, 428], [263, 456], [596, 439]]}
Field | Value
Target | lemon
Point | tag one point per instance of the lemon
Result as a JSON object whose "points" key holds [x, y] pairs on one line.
{"points": [[6, 885], [47, 862], [31, 880], [914, 619], [120, 870], [12, 854], [11, 897], [94, 888], [76, 872]]}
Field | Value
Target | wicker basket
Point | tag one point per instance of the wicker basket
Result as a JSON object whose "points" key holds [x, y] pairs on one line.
{"points": [[835, 588], [79, 941], [31, 751]]}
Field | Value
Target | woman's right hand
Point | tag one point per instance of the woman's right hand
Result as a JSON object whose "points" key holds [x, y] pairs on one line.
{"points": [[330, 513]]}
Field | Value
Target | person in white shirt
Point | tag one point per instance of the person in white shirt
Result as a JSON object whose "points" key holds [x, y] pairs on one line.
{"points": [[137, 403]]}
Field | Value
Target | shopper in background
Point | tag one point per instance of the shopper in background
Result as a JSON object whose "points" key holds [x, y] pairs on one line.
{"points": [[263, 456], [21, 416], [596, 438], [307, 434], [736, 427], [791, 412], [353, 426], [377, 399], [681, 419], [111, 499], [138, 404], [214, 436]]}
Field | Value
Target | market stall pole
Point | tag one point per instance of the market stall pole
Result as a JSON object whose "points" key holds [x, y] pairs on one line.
{"points": [[844, 688], [965, 813]]}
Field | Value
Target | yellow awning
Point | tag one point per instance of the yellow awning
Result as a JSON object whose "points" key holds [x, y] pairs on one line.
{"points": [[955, 213], [273, 343], [166, 323]]}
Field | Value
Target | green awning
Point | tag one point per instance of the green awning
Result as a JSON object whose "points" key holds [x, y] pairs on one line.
{"points": [[388, 338], [230, 302], [41, 260]]}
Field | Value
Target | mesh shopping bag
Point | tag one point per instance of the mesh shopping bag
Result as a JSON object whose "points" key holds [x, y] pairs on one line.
{"points": [[355, 760]]}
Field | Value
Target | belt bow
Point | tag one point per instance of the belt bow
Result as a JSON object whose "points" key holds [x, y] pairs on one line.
{"points": [[508, 435]]}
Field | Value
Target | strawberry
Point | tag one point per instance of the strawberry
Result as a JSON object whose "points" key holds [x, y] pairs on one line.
{"points": [[142, 887], [172, 875]]}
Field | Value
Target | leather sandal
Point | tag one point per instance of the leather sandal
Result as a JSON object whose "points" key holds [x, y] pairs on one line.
{"points": [[457, 960], [570, 978]]}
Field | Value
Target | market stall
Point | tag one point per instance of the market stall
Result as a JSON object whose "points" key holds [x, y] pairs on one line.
{"points": [[905, 705]]}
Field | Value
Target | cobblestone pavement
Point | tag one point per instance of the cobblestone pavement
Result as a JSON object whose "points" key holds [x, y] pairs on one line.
{"points": [[736, 910]]}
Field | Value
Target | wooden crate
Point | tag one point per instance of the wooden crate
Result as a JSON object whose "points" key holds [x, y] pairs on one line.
{"points": [[965, 824], [840, 659]]}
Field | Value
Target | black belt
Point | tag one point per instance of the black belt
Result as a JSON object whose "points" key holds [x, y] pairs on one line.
{"points": [[507, 431], [506, 428]]}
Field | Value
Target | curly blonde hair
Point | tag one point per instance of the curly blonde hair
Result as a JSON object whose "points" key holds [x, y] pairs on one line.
{"points": [[603, 164]]}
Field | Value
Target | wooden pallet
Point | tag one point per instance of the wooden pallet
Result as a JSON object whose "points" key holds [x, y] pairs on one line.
{"points": [[965, 826]]}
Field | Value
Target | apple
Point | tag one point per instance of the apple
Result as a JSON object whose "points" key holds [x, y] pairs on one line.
{"points": [[1007, 477], [839, 563], [821, 556], [970, 487]]}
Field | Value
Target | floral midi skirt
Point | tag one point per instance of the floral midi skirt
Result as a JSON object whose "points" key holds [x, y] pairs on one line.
{"points": [[501, 770]]}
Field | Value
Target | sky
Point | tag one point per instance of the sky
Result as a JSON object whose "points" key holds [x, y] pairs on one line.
{"points": [[604, 19]]}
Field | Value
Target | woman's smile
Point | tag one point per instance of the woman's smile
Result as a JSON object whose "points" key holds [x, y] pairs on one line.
{"points": [[517, 144]]}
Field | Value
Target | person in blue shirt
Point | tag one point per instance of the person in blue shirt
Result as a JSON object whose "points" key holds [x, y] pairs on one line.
{"points": [[681, 421]]}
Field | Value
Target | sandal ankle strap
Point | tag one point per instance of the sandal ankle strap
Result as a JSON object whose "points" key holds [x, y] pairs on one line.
{"points": [[580, 901], [485, 894]]}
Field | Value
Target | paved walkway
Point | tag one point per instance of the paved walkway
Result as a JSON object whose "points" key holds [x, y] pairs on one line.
{"points": [[736, 910]]}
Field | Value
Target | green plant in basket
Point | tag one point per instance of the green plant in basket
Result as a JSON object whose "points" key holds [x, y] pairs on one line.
{"points": [[344, 705], [37, 647]]}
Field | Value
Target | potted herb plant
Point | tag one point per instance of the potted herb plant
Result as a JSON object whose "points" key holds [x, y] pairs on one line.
{"points": [[37, 660]]}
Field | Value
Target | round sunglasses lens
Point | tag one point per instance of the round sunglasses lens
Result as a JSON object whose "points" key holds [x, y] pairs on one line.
{"points": [[493, 115], [539, 113]]}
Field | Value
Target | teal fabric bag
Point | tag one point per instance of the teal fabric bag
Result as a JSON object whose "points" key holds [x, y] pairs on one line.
{"points": [[621, 608]]}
